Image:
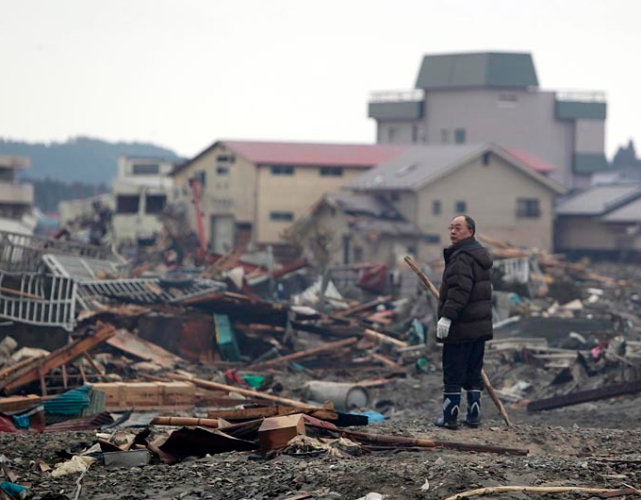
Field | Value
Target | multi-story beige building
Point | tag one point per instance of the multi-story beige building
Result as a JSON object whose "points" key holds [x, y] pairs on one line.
{"points": [[495, 97], [255, 190], [140, 193], [508, 194], [16, 199]]}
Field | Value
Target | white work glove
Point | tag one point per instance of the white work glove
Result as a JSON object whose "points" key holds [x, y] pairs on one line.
{"points": [[443, 328]]}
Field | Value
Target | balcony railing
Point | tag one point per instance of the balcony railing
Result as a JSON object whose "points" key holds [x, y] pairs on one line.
{"points": [[580, 96], [11, 192], [397, 96]]}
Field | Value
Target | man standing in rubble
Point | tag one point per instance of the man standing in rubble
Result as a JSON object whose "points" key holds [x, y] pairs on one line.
{"points": [[465, 321]]}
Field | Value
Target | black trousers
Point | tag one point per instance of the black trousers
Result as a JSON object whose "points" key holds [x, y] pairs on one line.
{"points": [[462, 365]]}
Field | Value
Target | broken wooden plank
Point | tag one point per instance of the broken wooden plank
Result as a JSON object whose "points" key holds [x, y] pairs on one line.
{"points": [[185, 421], [386, 361], [363, 307], [363, 437], [206, 384], [380, 337], [253, 413], [93, 364], [585, 396], [329, 347], [143, 349], [17, 403], [601, 492], [41, 366]]}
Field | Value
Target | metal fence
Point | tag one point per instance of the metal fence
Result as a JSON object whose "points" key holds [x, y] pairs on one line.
{"points": [[23, 253], [38, 299]]}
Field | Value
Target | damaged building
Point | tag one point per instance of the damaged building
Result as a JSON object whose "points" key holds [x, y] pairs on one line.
{"points": [[253, 191], [16, 198], [417, 193]]}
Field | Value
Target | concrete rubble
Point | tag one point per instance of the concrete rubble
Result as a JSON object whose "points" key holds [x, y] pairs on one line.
{"points": [[257, 380]]}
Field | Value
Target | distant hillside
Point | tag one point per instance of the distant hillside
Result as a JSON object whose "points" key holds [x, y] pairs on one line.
{"points": [[48, 193], [82, 159]]}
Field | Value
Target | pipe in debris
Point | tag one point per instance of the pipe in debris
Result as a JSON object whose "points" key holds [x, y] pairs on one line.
{"points": [[486, 381], [332, 346], [345, 396], [180, 421], [206, 384], [431, 443]]}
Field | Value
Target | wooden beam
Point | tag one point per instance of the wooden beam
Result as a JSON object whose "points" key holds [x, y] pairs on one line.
{"points": [[206, 384], [186, 421], [585, 396], [381, 337], [362, 307], [601, 492], [430, 443], [93, 364], [331, 346], [386, 361], [31, 371]]}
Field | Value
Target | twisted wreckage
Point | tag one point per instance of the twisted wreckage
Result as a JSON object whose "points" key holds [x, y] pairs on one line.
{"points": [[237, 356]]}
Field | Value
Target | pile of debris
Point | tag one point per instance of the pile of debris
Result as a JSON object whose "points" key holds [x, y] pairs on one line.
{"points": [[242, 355], [572, 335]]}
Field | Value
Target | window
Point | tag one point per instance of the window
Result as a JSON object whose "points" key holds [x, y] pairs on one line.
{"points": [[436, 207], [282, 170], [358, 255], [127, 204], [414, 133], [391, 134], [145, 169], [507, 100], [331, 171], [433, 239], [528, 207], [225, 158], [281, 216], [395, 197], [220, 170], [460, 207], [200, 177], [460, 135], [155, 203], [486, 158], [445, 136]]}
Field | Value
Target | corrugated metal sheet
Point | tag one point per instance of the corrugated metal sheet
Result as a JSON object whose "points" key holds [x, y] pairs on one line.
{"points": [[70, 403], [82, 424]]}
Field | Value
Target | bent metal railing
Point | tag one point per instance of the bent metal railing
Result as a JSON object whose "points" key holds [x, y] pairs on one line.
{"points": [[37, 299], [23, 253]]}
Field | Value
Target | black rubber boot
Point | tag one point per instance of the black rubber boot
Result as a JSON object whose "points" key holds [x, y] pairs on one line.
{"points": [[451, 406], [473, 418]]}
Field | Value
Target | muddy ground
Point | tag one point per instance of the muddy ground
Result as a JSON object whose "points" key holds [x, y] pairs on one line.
{"points": [[595, 445]]}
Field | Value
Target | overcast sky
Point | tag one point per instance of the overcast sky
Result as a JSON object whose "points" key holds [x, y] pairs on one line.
{"points": [[185, 73]]}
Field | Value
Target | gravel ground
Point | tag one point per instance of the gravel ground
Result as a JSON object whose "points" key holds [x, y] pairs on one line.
{"points": [[593, 445]]}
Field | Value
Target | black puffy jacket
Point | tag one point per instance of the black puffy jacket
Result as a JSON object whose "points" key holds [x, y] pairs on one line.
{"points": [[466, 292]]}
